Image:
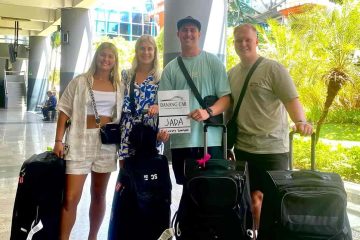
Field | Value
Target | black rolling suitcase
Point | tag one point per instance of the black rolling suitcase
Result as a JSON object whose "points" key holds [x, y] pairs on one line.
{"points": [[304, 205], [141, 206], [215, 203], [38, 200]]}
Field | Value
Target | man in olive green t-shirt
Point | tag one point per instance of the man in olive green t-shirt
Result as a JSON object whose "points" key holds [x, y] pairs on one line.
{"points": [[262, 122]]}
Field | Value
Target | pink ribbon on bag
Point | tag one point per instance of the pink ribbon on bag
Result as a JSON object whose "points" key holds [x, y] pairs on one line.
{"points": [[202, 161]]}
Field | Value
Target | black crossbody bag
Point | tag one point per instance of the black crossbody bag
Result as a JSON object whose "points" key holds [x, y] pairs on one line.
{"points": [[205, 103]]}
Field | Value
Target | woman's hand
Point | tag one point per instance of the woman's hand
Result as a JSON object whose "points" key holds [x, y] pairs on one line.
{"points": [[163, 136], [59, 149], [153, 110]]}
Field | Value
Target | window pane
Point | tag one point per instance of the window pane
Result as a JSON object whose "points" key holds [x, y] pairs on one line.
{"points": [[124, 28], [147, 18], [124, 17], [136, 18], [114, 16], [100, 26], [113, 27], [136, 30], [147, 29]]}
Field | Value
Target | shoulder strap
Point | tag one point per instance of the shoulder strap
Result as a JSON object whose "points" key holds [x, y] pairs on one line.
{"points": [[132, 95], [124, 76], [191, 82], [246, 83], [97, 118]]}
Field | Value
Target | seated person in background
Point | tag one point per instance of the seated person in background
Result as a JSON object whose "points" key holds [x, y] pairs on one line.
{"points": [[49, 105]]}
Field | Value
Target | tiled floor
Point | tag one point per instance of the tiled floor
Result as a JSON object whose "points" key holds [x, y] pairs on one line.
{"points": [[23, 134]]}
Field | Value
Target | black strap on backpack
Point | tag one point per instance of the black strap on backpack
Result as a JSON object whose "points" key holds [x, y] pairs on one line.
{"points": [[243, 90], [132, 95], [191, 82]]}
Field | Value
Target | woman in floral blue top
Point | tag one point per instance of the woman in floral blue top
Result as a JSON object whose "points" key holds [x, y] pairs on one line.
{"points": [[145, 70]]}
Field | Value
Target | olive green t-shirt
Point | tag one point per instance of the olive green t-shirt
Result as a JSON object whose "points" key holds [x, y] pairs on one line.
{"points": [[263, 125]]}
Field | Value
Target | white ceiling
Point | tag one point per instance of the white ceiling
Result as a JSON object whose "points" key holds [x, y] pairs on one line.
{"points": [[35, 17]]}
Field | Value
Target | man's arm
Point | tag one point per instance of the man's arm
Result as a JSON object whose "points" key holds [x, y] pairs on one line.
{"points": [[297, 115], [221, 105]]}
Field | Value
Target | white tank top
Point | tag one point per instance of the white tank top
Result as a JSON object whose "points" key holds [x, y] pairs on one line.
{"points": [[105, 102]]}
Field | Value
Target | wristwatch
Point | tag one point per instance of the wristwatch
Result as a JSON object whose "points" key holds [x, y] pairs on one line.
{"points": [[210, 112]]}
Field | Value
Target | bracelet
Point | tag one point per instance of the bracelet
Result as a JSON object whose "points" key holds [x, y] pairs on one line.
{"points": [[57, 140], [301, 121]]}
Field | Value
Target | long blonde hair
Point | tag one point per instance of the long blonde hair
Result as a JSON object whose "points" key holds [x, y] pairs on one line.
{"points": [[114, 74], [155, 71]]}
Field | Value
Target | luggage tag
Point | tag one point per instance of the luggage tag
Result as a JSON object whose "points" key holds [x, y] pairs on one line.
{"points": [[34, 229], [202, 161]]}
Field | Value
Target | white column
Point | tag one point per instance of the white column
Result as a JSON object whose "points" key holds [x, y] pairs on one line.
{"points": [[76, 44]]}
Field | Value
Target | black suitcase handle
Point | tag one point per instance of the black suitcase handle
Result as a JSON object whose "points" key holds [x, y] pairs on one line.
{"points": [[206, 126], [313, 145]]}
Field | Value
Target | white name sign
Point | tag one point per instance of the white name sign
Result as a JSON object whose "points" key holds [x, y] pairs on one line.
{"points": [[173, 111]]}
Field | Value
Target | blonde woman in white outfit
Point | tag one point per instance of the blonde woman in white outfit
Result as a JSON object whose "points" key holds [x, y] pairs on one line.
{"points": [[86, 154]]}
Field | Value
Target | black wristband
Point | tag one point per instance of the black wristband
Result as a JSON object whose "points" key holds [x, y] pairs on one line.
{"points": [[209, 111]]}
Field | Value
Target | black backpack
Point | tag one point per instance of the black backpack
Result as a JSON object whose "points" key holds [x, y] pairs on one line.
{"points": [[215, 203], [304, 205], [39, 198], [141, 208]]}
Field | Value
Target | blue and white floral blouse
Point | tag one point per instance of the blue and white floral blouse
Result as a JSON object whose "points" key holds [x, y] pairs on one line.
{"points": [[145, 95]]}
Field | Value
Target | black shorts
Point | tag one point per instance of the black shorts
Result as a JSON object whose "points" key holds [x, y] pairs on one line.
{"points": [[178, 156], [260, 163]]}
